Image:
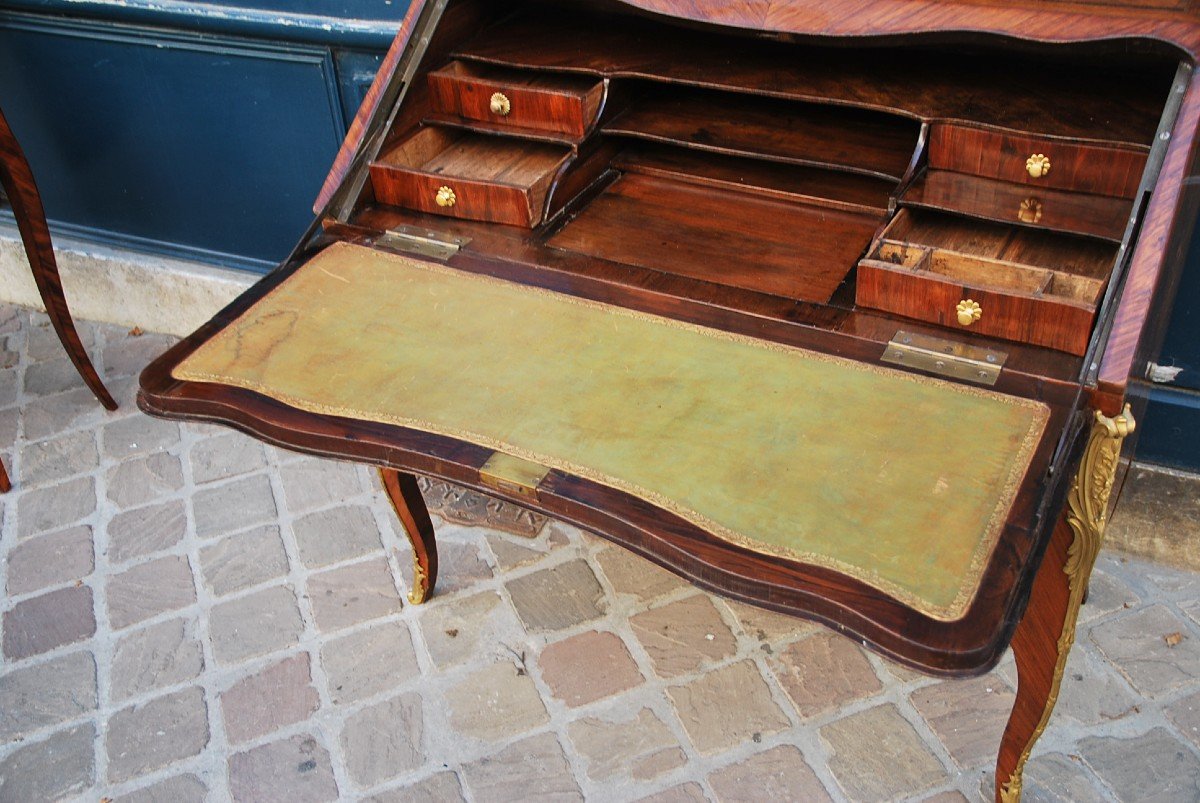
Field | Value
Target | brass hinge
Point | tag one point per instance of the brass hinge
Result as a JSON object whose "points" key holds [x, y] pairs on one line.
{"points": [[945, 357], [422, 242], [512, 474]]}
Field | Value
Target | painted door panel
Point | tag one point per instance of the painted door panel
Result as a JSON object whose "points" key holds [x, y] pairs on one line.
{"points": [[202, 146]]}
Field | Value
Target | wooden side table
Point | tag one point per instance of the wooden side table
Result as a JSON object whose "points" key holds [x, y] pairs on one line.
{"points": [[17, 181]]}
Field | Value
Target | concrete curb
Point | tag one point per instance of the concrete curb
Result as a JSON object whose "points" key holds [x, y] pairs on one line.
{"points": [[123, 287]]}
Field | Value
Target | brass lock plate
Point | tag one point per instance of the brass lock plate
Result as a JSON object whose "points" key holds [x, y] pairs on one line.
{"points": [[945, 357], [512, 474]]}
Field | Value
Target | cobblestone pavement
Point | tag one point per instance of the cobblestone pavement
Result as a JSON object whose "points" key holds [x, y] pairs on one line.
{"points": [[189, 615]]}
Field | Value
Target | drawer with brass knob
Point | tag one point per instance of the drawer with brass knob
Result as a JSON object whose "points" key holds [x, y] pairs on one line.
{"points": [[1102, 216], [549, 103], [987, 278], [459, 174], [1100, 168]]}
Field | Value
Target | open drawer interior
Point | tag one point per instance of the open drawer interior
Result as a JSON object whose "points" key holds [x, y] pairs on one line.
{"points": [[1035, 286], [461, 174]]}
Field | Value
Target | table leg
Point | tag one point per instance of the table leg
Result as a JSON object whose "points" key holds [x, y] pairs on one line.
{"points": [[1044, 635], [406, 499], [22, 193]]}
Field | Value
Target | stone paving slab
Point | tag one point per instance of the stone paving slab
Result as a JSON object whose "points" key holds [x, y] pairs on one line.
{"points": [[189, 615]]}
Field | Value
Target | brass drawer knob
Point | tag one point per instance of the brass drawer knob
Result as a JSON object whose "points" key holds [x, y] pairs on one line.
{"points": [[1030, 211], [500, 104], [445, 197], [1037, 165], [968, 312]]}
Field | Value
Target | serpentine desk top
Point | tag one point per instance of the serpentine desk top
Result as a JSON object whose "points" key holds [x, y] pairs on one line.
{"points": [[901, 481]]}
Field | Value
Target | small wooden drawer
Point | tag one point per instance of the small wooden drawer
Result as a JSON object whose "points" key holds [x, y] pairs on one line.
{"points": [[1084, 167], [537, 101], [1102, 216], [472, 176], [933, 268]]}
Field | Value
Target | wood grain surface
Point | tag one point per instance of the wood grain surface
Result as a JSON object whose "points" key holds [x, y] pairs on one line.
{"points": [[734, 239], [825, 136], [1081, 167], [1002, 201], [1037, 20], [566, 104], [1036, 650], [494, 179], [1036, 93], [1041, 319], [798, 183]]}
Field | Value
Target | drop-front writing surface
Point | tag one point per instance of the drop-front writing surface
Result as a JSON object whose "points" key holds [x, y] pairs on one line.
{"points": [[786, 460]]}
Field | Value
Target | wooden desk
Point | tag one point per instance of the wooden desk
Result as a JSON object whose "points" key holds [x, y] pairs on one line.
{"points": [[565, 245]]}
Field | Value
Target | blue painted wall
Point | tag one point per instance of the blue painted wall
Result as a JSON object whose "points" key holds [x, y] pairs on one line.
{"points": [[205, 130], [202, 130]]}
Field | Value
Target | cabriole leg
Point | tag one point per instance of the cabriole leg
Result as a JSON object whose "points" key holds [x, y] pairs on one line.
{"points": [[406, 499], [1040, 646], [1044, 636], [17, 180]]}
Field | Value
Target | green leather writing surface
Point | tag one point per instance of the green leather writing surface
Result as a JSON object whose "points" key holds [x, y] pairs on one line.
{"points": [[900, 481]]}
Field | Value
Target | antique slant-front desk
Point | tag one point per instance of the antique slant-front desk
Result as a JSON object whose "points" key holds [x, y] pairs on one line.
{"points": [[831, 307]]}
